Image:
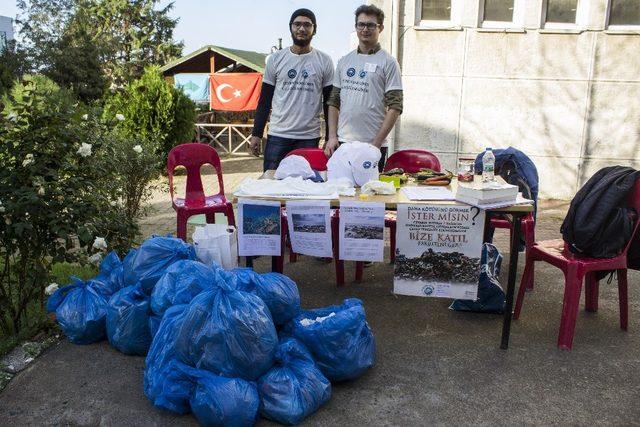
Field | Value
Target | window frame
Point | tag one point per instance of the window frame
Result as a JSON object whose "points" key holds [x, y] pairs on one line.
{"points": [[582, 16], [626, 27], [453, 23], [517, 20]]}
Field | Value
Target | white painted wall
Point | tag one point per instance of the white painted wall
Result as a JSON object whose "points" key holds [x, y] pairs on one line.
{"points": [[570, 100]]}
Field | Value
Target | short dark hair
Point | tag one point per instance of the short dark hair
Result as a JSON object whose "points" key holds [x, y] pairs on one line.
{"points": [[370, 10]]}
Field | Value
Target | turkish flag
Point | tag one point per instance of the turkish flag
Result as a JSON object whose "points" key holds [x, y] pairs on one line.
{"points": [[235, 91]]}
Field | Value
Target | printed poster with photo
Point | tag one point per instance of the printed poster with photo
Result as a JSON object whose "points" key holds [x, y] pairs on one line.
{"points": [[361, 231], [438, 250], [259, 228], [310, 227]]}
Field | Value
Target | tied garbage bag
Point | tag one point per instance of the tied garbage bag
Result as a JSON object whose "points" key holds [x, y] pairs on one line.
{"points": [[181, 282], [128, 321], [221, 401], [338, 337], [80, 311], [109, 277], [294, 388], [153, 258], [278, 292], [165, 384], [491, 296], [228, 332]]}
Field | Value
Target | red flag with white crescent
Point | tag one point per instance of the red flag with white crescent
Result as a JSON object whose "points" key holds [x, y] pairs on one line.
{"points": [[235, 91]]}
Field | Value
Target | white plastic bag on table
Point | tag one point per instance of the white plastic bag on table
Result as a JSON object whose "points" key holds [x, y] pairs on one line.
{"points": [[217, 243]]}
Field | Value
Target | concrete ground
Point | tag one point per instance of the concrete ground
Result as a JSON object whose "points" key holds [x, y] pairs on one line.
{"points": [[434, 366]]}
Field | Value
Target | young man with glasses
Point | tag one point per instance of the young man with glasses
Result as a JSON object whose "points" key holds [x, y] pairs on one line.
{"points": [[366, 99], [296, 80]]}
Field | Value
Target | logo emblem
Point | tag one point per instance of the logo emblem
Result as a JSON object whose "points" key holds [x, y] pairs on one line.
{"points": [[367, 165], [305, 74], [292, 73], [351, 72], [428, 290], [362, 74]]}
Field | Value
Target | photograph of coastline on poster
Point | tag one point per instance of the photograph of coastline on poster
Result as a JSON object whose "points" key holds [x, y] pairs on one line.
{"points": [[258, 227], [438, 250]]}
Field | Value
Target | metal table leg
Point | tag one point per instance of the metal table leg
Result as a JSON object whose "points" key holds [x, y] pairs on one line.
{"points": [[511, 281]]}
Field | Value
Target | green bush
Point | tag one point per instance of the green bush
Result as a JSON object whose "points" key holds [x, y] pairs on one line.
{"points": [[57, 192], [152, 110]]}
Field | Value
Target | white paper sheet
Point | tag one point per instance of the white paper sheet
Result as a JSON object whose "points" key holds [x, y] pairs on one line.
{"points": [[428, 193], [309, 224], [259, 227], [361, 231]]}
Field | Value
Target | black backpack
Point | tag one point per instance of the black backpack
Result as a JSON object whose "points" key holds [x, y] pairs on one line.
{"points": [[599, 224]]}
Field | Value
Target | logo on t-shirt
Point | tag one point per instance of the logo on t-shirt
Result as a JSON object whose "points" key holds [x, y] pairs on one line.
{"points": [[351, 72], [428, 290], [367, 165], [292, 73], [362, 74], [305, 74]]}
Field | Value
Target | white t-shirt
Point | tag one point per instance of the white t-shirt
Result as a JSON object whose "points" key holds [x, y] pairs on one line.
{"points": [[297, 98], [355, 161], [363, 81]]}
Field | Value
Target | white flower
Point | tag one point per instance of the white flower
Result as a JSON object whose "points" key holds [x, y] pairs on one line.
{"points": [[41, 191], [28, 360], [51, 288], [85, 150], [85, 117], [7, 220], [95, 258], [27, 160], [100, 244], [138, 149], [120, 117], [2, 209], [13, 117]]}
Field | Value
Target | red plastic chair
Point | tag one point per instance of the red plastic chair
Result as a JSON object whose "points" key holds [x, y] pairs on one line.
{"points": [[411, 161], [315, 156], [192, 156], [575, 269]]}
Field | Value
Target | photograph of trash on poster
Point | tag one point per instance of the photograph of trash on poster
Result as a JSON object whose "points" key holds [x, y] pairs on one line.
{"points": [[438, 250]]}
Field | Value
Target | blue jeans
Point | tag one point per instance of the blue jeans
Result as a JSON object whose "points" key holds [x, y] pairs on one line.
{"points": [[277, 148]]}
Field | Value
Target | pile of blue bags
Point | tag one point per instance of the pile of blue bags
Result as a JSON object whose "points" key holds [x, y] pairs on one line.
{"points": [[227, 346]]}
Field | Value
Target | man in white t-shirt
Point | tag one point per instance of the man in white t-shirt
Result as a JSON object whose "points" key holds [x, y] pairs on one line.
{"points": [[366, 99], [296, 80]]}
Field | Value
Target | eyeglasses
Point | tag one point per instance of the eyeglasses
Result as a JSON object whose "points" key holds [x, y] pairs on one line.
{"points": [[305, 25], [367, 25]]}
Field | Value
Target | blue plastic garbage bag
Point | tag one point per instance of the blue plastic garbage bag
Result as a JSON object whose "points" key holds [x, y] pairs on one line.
{"points": [[294, 388], [107, 278], [221, 401], [278, 292], [164, 384], [228, 332], [108, 264], [182, 281], [128, 321], [154, 324], [338, 337], [153, 258], [80, 311], [491, 296]]}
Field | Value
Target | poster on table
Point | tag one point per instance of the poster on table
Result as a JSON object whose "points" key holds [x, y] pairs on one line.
{"points": [[361, 231], [438, 250], [310, 227], [259, 227]]}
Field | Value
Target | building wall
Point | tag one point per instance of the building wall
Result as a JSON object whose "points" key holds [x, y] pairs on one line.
{"points": [[569, 99], [6, 30]]}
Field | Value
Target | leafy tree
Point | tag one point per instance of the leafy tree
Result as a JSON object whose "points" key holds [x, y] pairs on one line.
{"points": [[12, 66], [154, 111]]}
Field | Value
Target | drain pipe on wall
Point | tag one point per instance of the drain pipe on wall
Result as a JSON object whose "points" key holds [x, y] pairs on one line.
{"points": [[395, 52]]}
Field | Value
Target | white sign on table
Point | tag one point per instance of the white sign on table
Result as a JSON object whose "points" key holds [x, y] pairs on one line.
{"points": [[259, 227], [361, 231], [310, 227], [438, 250]]}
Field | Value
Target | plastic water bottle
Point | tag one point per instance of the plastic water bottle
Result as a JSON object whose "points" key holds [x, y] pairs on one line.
{"points": [[488, 165]]}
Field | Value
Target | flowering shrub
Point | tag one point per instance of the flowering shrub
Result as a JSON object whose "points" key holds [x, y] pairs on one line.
{"points": [[56, 189]]}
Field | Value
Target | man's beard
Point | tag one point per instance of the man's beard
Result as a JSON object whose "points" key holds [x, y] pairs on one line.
{"points": [[301, 43]]}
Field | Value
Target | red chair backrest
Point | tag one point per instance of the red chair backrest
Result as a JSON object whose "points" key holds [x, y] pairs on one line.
{"points": [[192, 156], [412, 161], [315, 156]]}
